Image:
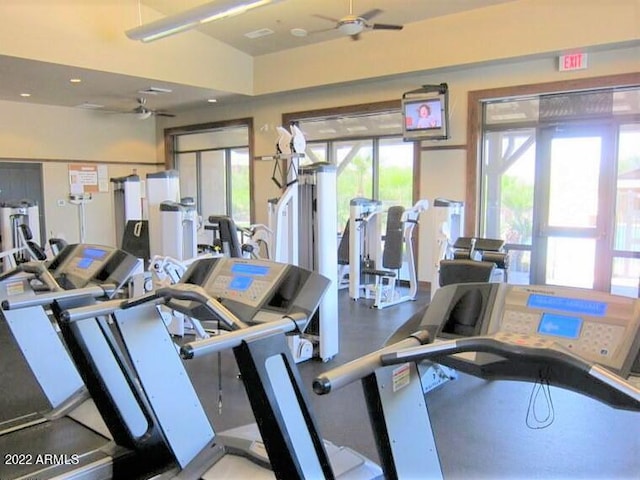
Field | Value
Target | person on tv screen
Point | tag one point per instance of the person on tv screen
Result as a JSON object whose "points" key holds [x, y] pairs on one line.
{"points": [[425, 118]]}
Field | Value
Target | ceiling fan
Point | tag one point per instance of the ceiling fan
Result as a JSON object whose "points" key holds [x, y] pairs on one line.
{"points": [[143, 112], [353, 25]]}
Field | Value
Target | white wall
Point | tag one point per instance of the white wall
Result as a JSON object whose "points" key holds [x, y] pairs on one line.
{"points": [[59, 136], [122, 142], [443, 172]]}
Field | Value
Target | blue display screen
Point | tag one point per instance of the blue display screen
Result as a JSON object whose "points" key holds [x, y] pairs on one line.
{"points": [[240, 283], [97, 253], [566, 304], [84, 263], [560, 325], [248, 269]]}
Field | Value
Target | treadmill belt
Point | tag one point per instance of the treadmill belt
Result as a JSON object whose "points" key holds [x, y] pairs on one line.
{"points": [[46, 445], [21, 394]]}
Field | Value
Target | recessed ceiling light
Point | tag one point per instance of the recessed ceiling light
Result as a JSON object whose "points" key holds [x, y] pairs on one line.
{"points": [[75, 80], [25, 94], [298, 32], [212, 100]]}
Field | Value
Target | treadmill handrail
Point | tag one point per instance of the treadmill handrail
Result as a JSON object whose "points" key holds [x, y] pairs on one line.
{"points": [[518, 361], [24, 301], [178, 291], [41, 272], [360, 367], [207, 346]]}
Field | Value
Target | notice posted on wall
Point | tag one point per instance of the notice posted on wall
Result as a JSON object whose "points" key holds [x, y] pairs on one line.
{"points": [[88, 178]]}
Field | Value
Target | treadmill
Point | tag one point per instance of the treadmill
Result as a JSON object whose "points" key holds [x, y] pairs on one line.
{"points": [[49, 424], [575, 339], [137, 378]]}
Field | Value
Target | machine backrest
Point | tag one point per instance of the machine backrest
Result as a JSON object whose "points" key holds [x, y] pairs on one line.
{"points": [[35, 250], [228, 233], [343, 247], [464, 271], [394, 239]]}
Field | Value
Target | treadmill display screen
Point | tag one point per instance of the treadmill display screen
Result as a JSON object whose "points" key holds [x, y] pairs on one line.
{"points": [[248, 269], [569, 305], [84, 263], [560, 326], [240, 283], [96, 253]]}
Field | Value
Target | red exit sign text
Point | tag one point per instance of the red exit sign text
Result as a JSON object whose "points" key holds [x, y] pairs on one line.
{"points": [[572, 61]]}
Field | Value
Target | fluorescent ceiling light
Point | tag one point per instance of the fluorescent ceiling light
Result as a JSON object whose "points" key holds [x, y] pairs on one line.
{"points": [[189, 19]]}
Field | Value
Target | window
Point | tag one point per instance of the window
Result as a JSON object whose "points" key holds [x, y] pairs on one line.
{"points": [[365, 143], [214, 167], [555, 169]]}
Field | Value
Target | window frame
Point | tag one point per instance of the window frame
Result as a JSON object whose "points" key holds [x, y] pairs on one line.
{"points": [[171, 134]]}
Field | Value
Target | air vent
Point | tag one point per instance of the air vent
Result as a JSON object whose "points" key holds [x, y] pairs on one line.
{"points": [[263, 32], [154, 91], [90, 106]]}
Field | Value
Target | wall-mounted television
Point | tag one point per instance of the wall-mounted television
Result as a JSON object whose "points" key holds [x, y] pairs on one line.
{"points": [[425, 113]]}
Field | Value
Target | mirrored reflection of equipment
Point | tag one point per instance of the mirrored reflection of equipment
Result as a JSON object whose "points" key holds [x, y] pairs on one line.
{"points": [[376, 274], [47, 383], [577, 340], [12, 215], [138, 361], [127, 200]]}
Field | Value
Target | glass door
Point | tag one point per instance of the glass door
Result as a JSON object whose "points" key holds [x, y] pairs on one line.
{"points": [[574, 204]]}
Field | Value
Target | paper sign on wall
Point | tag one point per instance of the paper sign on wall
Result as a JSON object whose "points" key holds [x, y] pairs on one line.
{"points": [[87, 178]]}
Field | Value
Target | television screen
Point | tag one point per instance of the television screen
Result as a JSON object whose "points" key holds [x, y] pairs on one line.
{"points": [[423, 114]]}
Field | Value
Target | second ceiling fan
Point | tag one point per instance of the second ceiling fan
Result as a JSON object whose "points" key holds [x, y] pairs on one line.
{"points": [[353, 25]]}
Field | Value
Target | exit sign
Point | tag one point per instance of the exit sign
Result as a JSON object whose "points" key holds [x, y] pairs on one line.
{"points": [[572, 61]]}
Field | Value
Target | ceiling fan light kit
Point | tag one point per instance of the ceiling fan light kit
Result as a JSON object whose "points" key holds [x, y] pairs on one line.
{"points": [[353, 25], [191, 18]]}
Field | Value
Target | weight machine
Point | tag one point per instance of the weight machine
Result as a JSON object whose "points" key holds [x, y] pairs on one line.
{"points": [[179, 224], [127, 200], [367, 260], [12, 215], [304, 225]]}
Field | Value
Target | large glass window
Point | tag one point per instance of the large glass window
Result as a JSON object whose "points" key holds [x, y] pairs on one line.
{"points": [[555, 170], [214, 169]]}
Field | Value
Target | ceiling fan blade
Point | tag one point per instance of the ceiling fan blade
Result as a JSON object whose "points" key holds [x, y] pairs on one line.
{"points": [[324, 17], [386, 26], [164, 114], [370, 14]]}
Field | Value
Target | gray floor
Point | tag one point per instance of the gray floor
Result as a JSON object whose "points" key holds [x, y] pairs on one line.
{"points": [[480, 426]]}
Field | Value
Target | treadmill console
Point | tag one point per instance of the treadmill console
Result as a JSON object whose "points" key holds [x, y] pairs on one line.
{"points": [[599, 327], [256, 290], [244, 282], [77, 266]]}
